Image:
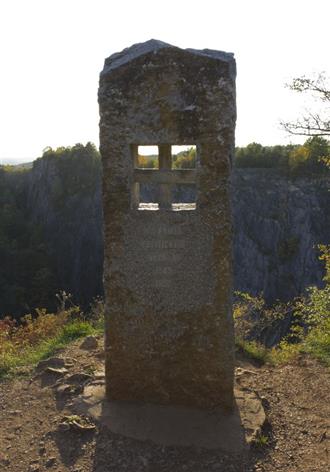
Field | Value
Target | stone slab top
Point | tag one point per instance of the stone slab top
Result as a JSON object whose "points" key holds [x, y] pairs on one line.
{"points": [[118, 59], [170, 425]]}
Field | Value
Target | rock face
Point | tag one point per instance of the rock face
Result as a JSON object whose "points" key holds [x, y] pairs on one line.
{"points": [[168, 267], [64, 197], [278, 221]]}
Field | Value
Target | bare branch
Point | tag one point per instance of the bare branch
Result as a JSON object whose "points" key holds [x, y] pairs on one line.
{"points": [[312, 124], [318, 86]]}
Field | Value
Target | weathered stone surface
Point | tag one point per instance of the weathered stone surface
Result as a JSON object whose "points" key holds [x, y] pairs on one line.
{"points": [[179, 426], [89, 343], [56, 363], [168, 273], [56, 371]]}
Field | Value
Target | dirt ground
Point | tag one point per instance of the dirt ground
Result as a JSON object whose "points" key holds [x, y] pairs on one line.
{"points": [[36, 434]]}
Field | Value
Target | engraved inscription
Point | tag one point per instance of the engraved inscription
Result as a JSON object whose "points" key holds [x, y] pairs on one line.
{"points": [[162, 257], [163, 244], [159, 256], [163, 247], [164, 230]]}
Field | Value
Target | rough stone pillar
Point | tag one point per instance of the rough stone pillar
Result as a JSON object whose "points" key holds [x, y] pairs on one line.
{"points": [[168, 271]]}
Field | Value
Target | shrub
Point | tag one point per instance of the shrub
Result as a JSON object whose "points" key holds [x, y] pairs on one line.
{"points": [[38, 337], [307, 321], [311, 333]]}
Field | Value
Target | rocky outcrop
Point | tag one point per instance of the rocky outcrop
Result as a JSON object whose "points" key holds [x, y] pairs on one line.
{"points": [[66, 200], [278, 223]]}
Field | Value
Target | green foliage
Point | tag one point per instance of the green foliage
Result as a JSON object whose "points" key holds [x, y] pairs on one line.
{"points": [[96, 314], [309, 332], [293, 159], [38, 337], [185, 159], [148, 162], [254, 155], [314, 311], [78, 172], [253, 350], [74, 330], [260, 441], [182, 160], [310, 157], [253, 319]]}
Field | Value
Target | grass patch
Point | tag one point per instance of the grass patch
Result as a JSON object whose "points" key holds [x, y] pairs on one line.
{"points": [[253, 350], [26, 345], [317, 343], [261, 441]]}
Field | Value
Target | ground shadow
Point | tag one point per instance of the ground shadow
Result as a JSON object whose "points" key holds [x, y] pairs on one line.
{"points": [[70, 444], [118, 452]]}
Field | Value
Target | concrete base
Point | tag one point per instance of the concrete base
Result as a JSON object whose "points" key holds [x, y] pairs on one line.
{"points": [[177, 426]]}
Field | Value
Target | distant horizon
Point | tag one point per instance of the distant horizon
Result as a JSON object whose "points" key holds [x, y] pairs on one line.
{"points": [[19, 161]]}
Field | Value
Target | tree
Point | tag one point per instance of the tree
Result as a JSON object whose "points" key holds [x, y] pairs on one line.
{"points": [[311, 156], [313, 123]]}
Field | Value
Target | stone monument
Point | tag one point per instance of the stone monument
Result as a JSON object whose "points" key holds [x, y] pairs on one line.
{"points": [[168, 265]]}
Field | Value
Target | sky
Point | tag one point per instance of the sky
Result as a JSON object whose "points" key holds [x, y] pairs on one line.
{"points": [[51, 53]]}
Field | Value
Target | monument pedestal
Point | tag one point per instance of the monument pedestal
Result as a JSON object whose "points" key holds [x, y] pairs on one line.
{"points": [[169, 425]]}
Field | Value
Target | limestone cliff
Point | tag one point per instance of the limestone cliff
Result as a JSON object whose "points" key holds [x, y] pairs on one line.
{"points": [[65, 198], [278, 221]]}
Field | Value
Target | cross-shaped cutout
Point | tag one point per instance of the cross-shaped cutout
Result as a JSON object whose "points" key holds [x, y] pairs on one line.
{"points": [[164, 176]]}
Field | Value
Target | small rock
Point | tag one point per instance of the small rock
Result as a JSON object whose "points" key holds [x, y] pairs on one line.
{"points": [[34, 468], [240, 371], [63, 427], [97, 382], [56, 371], [265, 402], [15, 412], [100, 354], [99, 374], [66, 389], [89, 343], [4, 460], [323, 436], [50, 462], [79, 378], [70, 362], [55, 362]]}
